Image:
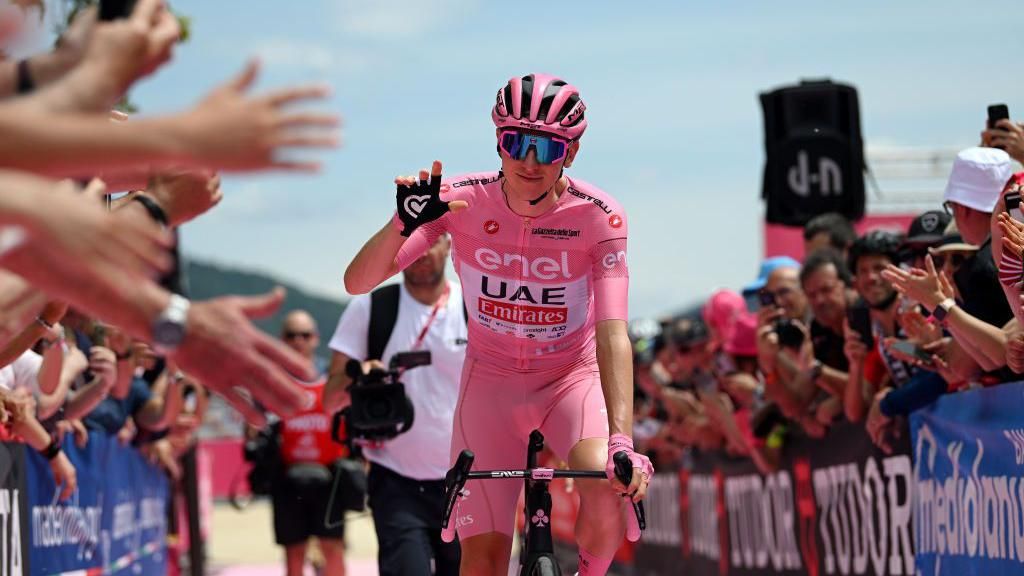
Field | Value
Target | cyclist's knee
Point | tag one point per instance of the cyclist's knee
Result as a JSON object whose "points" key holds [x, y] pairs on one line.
{"points": [[486, 554], [589, 454]]}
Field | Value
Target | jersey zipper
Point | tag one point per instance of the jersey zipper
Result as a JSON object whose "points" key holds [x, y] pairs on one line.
{"points": [[523, 238]]}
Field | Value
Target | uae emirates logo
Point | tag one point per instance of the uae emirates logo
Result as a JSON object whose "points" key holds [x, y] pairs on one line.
{"points": [[491, 227]]}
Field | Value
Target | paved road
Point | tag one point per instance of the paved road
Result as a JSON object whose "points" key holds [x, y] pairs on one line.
{"points": [[242, 543]]}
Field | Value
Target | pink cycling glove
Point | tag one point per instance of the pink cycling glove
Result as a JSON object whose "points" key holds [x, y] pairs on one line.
{"points": [[621, 442]]}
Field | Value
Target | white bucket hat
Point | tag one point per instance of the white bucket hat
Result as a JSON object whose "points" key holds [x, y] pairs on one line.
{"points": [[977, 178]]}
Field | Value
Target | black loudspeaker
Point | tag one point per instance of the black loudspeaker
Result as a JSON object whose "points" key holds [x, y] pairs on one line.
{"points": [[814, 154]]}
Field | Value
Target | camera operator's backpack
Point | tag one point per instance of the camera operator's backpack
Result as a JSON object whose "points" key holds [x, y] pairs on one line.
{"points": [[383, 315]]}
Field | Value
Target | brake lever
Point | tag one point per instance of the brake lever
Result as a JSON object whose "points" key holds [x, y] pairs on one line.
{"points": [[624, 472], [454, 482]]}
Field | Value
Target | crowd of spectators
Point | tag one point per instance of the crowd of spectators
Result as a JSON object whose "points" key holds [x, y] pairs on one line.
{"points": [[96, 335], [866, 329]]}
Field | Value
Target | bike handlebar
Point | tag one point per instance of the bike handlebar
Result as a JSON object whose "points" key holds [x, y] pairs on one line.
{"points": [[455, 481]]}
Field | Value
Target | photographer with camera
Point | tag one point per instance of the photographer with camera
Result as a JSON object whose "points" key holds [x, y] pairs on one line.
{"points": [[782, 322], [423, 314], [301, 492]]}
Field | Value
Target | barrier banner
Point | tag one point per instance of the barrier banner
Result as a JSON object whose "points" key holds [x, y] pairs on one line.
{"points": [[969, 450], [114, 523], [14, 535], [836, 505]]}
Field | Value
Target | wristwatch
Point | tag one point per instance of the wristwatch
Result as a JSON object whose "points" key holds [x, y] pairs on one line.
{"points": [[169, 328], [942, 310]]}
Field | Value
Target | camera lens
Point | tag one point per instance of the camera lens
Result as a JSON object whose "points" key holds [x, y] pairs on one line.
{"points": [[380, 408]]}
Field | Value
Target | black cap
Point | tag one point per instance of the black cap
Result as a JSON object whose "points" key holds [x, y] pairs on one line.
{"points": [[927, 228]]}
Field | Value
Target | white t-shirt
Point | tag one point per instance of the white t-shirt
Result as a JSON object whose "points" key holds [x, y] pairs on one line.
{"points": [[22, 373], [423, 452]]}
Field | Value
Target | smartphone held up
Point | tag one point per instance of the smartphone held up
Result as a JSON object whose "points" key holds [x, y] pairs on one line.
{"points": [[997, 112]]}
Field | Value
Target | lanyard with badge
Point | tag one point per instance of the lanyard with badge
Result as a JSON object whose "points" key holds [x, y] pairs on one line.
{"points": [[441, 303]]}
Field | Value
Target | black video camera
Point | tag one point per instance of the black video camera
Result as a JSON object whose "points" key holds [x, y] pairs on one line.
{"points": [[380, 409]]}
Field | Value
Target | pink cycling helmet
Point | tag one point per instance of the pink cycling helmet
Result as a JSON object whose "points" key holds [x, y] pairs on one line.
{"points": [[541, 102]]}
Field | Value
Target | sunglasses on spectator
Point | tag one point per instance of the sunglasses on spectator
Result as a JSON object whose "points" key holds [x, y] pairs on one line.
{"points": [[293, 335], [548, 149]]}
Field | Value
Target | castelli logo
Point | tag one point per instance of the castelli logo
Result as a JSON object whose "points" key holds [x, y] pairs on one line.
{"points": [[615, 221], [491, 227]]}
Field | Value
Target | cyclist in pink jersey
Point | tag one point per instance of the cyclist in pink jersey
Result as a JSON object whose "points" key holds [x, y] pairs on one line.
{"points": [[542, 260]]}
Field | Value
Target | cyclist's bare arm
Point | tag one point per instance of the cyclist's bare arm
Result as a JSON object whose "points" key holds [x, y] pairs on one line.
{"points": [[615, 361], [375, 261]]}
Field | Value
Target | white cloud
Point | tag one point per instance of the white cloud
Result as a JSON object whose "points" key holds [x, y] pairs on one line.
{"points": [[297, 54], [397, 18]]}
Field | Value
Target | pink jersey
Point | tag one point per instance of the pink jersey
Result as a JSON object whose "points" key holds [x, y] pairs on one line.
{"points": [[534, 286]]}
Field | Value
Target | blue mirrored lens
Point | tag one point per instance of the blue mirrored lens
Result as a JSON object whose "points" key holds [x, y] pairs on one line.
{"points": [[518, 146]]}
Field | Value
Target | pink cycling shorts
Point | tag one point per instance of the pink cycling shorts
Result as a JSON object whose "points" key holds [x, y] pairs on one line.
{"points": [[497, 410]]}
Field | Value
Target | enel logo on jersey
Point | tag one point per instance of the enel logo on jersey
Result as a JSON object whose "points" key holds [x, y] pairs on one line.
{"points": [[542, 267]]}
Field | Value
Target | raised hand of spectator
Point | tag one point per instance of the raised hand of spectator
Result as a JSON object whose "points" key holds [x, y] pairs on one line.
{"points": [[853, 346], [804, 356], [1013, 235], [76, 427], [120, 342], [19, 301], [103, 364], [120, 52], [767, 339], [54, 312], [47, 67], [227, 354], [1006, 135], [918, 328], [924, 286], [89, 252], [184, 195], [233, 131], [19, 405], [75, 361], [64, 475]]}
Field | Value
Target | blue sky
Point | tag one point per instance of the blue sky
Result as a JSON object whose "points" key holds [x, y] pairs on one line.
{"points": [[675, 126]]}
